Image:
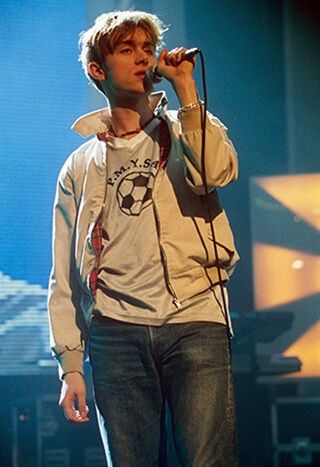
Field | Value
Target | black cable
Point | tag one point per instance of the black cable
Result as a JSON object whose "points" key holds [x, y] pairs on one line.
{"points": [[206, 191]]}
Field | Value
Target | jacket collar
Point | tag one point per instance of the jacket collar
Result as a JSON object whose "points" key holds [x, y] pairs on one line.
{"points": [[99, 120]]}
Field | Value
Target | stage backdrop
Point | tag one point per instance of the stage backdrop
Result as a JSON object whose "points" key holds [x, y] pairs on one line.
{"points": [[42, 92]]}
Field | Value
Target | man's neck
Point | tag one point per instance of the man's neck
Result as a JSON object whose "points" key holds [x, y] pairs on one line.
{"points": [[130, 115]]}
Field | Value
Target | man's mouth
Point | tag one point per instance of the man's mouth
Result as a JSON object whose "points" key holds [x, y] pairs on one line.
{"points": [[141, 74]]}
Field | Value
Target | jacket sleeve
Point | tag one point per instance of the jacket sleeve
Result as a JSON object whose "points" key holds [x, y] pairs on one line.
{"points": [[221, 162], [65, 336]]}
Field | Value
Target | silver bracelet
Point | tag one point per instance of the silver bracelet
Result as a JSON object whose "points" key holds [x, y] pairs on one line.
{"points": [[191, 106]]}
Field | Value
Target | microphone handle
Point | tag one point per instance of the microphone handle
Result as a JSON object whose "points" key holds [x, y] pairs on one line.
{"points": [[190, 53], [155, 76]]}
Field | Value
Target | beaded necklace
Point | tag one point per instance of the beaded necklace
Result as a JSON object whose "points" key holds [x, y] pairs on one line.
{"points": [[131, 132]]}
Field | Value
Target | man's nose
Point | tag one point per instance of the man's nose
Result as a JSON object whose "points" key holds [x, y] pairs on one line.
{"points": [[142, 57]]}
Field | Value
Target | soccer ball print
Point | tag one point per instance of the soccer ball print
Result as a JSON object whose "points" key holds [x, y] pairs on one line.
{"points": [[135, 192]]}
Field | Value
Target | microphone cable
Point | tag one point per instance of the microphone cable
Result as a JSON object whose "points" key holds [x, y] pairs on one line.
{"points": [[203, 116], [156, 78]]}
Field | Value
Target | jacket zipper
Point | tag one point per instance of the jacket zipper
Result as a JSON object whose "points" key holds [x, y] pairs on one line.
{"points": [[175, 300]]}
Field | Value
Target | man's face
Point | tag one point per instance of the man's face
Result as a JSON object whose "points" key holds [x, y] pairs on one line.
{"points": [[126, 67]]}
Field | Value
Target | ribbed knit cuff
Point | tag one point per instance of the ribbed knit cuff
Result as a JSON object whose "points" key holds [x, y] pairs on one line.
{"points": [[70, 361], [191, 119]]}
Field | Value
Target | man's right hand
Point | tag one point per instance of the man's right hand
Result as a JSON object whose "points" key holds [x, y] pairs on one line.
{"points": [[73, 398]]}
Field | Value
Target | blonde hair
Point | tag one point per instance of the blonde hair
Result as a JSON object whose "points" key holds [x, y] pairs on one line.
{"points": [[108, 31]]}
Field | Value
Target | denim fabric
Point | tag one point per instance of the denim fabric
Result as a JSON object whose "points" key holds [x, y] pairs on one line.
{"points": [[137, 367]]}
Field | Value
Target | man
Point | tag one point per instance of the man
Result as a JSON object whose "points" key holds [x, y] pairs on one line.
{"points": [[135, 273]]}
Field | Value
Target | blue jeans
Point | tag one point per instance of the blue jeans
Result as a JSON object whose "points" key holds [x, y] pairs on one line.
{"points": [[136, 368]]}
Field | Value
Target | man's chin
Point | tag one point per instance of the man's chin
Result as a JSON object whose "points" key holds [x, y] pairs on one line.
{"points": [[145, 90]]}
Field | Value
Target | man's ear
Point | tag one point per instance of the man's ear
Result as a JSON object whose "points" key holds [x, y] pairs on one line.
{"points": [[95, 70]]}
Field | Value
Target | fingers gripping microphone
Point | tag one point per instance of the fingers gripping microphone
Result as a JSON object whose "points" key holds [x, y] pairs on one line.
{"points": [[154, 74]]}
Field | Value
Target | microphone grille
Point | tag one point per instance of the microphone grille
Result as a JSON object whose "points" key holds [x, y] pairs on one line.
{"points": [[154, 75]]}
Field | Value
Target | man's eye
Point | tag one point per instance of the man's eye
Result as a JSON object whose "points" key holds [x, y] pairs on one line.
{"points": [[127, 50], [149, 51]]}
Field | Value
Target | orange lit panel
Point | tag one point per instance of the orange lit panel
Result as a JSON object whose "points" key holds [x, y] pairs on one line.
{"points": [[282, 275], [307, 348], [299, 193]]}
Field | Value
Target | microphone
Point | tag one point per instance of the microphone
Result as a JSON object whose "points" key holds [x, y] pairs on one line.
{"points": [[190, 53], [154, 74]]}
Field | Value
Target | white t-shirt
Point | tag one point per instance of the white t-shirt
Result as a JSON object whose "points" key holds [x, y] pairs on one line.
{"points": [[131, 283]]}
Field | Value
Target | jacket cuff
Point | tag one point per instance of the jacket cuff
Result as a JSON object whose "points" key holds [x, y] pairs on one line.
{"points": [[70, 361], [191, 119]]}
